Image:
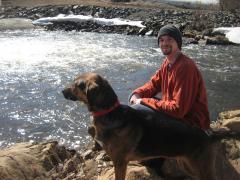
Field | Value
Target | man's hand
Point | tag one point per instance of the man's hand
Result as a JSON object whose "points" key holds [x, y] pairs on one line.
{"points": [[135, 99]]}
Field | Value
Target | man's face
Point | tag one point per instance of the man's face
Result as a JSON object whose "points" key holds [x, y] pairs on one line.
{"points": [[168, 45]]}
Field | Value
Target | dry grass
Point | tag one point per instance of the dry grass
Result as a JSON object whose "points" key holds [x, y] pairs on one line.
{"points": [[30, 3], [105, 3]]}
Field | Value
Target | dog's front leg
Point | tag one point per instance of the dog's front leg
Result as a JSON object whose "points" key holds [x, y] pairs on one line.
{"points": [[120, 168]]}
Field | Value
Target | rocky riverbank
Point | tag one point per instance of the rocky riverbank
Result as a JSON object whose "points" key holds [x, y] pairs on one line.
{"points": [[196, 25], [49, 160]]}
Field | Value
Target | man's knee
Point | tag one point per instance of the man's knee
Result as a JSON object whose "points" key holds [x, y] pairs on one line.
{"points": [[142, 108]]}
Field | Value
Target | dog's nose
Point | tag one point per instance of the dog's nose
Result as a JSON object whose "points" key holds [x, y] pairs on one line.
{"points": [[64, 93], [68, 95]]}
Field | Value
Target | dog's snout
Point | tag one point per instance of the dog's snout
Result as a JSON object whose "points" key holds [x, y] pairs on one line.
{"points": [[65, 94], [68, 94]]}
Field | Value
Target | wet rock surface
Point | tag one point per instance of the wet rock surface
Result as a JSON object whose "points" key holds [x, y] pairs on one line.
{"points": [[195, 24]]}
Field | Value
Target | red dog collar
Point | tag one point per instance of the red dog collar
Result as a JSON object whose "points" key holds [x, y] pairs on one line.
{"points": [[103, 112]]}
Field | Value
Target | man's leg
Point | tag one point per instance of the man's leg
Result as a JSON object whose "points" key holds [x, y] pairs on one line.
{"points": [[143, 108]]}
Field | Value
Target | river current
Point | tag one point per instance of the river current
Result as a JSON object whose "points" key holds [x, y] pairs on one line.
{"points": [[35, 66]]}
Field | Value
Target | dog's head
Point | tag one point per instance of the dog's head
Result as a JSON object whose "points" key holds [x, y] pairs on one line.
{"points": [[91, 89]]}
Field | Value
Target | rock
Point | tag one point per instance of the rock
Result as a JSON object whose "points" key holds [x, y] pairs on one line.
{"points": [[189, 34], [16, 23], [232, 124], [90, 169], [218, 40], [230, 120], [225, 168], [70, 166], [103, 156], [70, 176], [228, 156], [134, 172], [142, 31], [191, 41], [88, 154], [23, 161], [149, 33], [38, 161], [229, 114], [207, 32]]}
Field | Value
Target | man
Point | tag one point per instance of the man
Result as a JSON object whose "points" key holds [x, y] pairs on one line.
{"points": [[184, 99], [183, 91]]}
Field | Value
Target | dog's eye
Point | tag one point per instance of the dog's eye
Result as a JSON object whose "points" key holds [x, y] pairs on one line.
{"points": [[81, 85]]}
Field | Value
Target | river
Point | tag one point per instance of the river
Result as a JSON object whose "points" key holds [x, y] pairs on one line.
{"points": [[35, 66]]}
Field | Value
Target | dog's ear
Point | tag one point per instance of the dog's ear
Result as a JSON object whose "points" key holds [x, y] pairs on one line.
{"points": [[92, 92], [92, 88]]}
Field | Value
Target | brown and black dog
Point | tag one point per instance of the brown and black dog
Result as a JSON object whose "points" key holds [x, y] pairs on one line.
{"points": [[126, 135]]}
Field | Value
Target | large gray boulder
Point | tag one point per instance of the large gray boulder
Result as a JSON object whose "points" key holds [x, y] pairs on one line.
{"points": [[16, 23]]}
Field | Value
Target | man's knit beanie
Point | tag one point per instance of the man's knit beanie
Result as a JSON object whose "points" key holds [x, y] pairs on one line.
{"points": [[172, 31]]}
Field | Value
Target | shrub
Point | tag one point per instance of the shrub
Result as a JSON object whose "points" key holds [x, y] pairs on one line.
{"points": [[229, 4], [120, 0]]}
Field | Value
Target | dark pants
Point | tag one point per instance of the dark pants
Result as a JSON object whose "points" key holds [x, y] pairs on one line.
{"points": [[162, 118], [143, 108], [166, 119]]}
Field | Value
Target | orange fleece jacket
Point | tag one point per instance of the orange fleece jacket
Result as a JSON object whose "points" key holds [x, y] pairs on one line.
{"points": [[183, 92]]}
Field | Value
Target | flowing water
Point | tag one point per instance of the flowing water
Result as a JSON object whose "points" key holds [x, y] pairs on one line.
{"points": [[35, 66]]}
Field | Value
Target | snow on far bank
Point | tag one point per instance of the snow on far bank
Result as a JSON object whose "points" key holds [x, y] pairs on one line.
{"points": [[81, 18], [199, 1], [232, 33]]}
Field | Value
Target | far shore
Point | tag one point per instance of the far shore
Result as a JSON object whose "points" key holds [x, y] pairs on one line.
{"points": [[102, 3], [196, 25]]}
